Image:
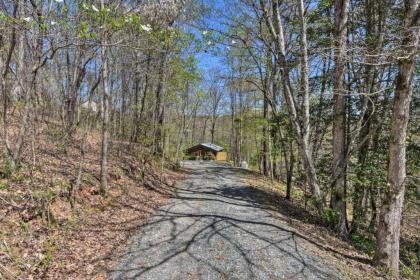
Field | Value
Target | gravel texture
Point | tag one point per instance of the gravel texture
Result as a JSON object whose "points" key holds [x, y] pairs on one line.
{"points": [[216, 228]]}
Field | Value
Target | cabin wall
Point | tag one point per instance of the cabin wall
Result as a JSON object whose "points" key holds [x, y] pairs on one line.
{"points": [[221, 156]]}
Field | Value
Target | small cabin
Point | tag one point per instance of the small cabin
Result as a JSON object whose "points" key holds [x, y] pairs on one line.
{"points": [[207, 151]]}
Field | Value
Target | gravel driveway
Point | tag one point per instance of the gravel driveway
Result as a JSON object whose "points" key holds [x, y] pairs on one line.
{"points": [[217, 229]]}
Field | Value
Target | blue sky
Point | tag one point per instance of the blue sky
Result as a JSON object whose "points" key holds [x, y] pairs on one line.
{"points": [[207, 60]]}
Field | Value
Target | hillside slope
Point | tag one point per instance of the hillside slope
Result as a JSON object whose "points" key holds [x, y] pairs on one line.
{"points": [[41, 236]]}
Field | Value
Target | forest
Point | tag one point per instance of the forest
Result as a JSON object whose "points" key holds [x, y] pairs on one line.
{"points": [[320, 97]]}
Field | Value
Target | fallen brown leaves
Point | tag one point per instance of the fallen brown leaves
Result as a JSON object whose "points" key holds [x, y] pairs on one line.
{"points": [[321, 241], [41, 237], [324, 242]]}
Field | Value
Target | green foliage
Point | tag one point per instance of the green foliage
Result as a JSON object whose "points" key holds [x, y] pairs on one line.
{"points": [[411, 270], [330, 217], [325, 4], [4, 186], [47, 195], [62, 184], [85, 31], [209, 156], [106, 20], [238, 120], [413, 172], [320, 23], [370, 173], [254, 159], [183, 79], [43, 199], [6, 170], [323, 164], [363, 242], [17, 178], [191, 157], [184, 70], [24, 226], [62, 147], [50, 247], [13, 254], [4, 17]]}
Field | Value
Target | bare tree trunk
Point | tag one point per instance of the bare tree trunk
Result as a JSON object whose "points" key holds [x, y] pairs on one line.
{"points": [[318, 131], [234, 137], [264, 157], [194, 124], [136, 119], [182, 132], [289, 166], [159, 109], [145, 91], [388, 235], [4, 66], [25, 88], [203, 134], [239, 134], [105, 118], [304, 76], [75, 82], [72, 93], [338, 199], [121, 117], [213, 129]]}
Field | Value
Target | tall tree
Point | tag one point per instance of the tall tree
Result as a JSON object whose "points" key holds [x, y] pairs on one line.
{"points": [[215, 95], [338, 197], [388, 235], [106, 102], [375, 13], [274, 23]]}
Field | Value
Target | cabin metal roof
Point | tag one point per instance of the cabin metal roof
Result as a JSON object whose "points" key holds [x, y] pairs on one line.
{"points": [[213, 147], [205, 146]]}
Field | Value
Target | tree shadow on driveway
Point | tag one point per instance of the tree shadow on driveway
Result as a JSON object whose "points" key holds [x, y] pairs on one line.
{"points": [[219, 228]]}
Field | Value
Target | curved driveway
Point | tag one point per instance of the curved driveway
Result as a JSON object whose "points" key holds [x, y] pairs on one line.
{"points": [[217, 228]]}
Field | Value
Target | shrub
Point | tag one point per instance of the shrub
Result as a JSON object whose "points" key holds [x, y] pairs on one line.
{"points": [[363, 243], [6, 170], [330, 217]]}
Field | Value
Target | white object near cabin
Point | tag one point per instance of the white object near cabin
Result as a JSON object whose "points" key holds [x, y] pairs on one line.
{"points": [[244, 165]]}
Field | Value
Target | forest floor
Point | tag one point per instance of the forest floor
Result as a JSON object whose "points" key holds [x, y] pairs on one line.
{"points": [[220, 227], [42, 237]]}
